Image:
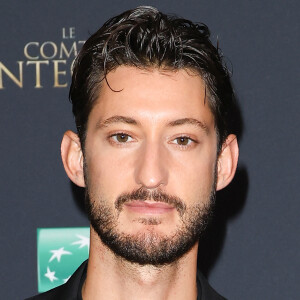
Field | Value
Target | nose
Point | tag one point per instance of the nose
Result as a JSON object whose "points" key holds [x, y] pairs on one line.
{"points": [[151, 168]]}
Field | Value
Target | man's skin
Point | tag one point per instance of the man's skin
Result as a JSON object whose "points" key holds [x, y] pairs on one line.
{"points": [[157, 131]]}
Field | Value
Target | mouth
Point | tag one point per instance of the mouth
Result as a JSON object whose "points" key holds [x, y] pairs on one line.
{"points": [[149, 207]]}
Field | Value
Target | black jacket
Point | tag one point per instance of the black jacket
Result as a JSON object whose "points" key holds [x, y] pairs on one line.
{"points": [[71, 290]]}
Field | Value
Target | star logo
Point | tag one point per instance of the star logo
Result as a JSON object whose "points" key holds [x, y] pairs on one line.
{"points": [[58, 253], [50, 275], [83, 241]]}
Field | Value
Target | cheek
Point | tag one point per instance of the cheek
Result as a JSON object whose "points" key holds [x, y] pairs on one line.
{"points": [[193, 176], [108, 173]]}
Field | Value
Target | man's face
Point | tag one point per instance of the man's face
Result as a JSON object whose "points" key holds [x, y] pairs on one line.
{"points": [[150, 163]]}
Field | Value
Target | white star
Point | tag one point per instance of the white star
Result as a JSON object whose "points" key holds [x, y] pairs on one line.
{"points": [[66, 279], [50, 275], [84, 241], [58, 253]]}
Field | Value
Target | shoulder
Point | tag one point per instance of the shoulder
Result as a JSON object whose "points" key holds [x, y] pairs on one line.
{"points": [[207, 292], [56, 293], [67, 291]]}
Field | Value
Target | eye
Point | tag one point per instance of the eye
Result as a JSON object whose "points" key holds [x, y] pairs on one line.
{"points": [[121, 138], [183, 141]]}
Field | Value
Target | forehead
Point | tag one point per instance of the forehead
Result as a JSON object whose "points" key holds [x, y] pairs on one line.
{"points": [[159, 95]]}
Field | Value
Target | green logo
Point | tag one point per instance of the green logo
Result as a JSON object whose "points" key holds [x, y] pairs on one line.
{"points": [[60, 253]]}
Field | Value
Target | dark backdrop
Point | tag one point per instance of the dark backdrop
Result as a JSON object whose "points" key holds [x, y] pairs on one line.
{"points": [[252, 252]]}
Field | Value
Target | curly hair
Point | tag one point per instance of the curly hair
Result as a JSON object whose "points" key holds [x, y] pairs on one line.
{"points": [[146, 38]]}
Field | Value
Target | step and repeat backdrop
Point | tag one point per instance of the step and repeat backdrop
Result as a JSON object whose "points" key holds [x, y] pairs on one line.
{"points": [[252, 249]]}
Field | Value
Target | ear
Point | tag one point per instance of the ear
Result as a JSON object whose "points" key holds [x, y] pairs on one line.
{"points": [[72, 157], [227, 161]]}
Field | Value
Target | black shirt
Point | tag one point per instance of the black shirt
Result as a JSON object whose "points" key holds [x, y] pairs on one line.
{"points": [[71, 290]]}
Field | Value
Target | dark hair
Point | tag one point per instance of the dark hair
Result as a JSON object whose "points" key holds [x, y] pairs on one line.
{"points": [[145, 38]]}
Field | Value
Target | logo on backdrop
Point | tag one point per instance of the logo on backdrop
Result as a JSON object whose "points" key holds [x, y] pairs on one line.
{"points": [[42, 58], [60, 252]]}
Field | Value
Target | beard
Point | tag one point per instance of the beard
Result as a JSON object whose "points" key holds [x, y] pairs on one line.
{"points": [[150, 247]]}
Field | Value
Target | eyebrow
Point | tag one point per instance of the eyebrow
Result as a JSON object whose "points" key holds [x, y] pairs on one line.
{"points": [[190, 121], [127, 120], [116, 119]]}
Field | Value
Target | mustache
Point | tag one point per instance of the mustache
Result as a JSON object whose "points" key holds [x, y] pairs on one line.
{"points": [[143, 194]]}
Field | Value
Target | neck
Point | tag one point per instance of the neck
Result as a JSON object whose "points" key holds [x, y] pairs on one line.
{"points": [[111, 277]]}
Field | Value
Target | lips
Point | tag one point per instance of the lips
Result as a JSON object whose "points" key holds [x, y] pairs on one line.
{"points": [[149, 207]]}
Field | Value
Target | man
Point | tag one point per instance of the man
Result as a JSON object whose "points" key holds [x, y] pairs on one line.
{"points": [[152, 104]]}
